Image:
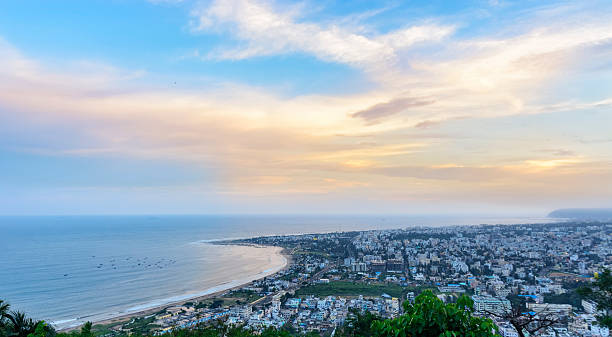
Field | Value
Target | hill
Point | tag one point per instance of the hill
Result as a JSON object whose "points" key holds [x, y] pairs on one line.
{"points": [[582, 213]]}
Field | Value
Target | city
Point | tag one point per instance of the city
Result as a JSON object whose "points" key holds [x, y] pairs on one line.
{"points": [[305, 168], [332, 276]]}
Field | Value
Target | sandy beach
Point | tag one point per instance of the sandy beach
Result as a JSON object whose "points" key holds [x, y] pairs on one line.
{"points": [[280, 254]]}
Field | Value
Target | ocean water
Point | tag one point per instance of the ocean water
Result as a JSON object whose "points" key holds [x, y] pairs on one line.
{"points": [[70, 269]]}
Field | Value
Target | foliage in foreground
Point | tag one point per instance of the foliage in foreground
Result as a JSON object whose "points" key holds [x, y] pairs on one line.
{"points": [[428, 316], [601, 293], [17, 324]]}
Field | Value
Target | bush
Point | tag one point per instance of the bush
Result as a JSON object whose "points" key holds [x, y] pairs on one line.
{"points": [[430, 317]]}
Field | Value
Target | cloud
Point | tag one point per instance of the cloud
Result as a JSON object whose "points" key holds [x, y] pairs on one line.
{"points": [[559, 152], [267, 31], [257, 142], [443, 172], [546, 164], [382, 110], [456, 77], [426, 124]]}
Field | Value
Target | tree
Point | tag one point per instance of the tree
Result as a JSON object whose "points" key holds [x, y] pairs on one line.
{"points": [[19, 324], [601, 293], [430, 317], [359, 324], [271, 332], [524, 320], [42, 330], [4, 311], [217, 303], [86, 330]]}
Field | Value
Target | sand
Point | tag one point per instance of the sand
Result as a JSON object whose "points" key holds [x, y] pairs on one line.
{"points": [[283, 253]]}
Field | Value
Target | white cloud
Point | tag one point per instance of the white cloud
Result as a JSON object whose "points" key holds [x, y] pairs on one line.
{"points": [[269, 32], [484, 76], [253, 135]]}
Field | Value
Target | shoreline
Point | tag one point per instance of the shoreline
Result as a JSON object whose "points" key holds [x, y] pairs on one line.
{"points": [[124, 317]]}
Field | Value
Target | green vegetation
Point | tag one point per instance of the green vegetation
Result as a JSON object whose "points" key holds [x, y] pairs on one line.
{"points": [[601, 293], [141, 325], [103, 329], [289, 277], [247, 296], [348, 289], [359, 324], [345, 288], [17, 324], [311, 252], [430, 317], [237, 297], [572, 298]]}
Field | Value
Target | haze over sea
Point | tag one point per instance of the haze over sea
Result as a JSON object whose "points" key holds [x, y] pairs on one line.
{"points": [[69, 269]]}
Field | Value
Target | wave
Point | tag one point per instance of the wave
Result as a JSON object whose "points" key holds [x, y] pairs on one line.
{"points": [[160, 303]]}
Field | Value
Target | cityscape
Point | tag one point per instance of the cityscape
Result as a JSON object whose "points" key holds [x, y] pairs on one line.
{"points": [[305, 168], [332, 276]]}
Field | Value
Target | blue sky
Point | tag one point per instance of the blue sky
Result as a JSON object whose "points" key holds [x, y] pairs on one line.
{"points": [[155, 38], [262, 106]]}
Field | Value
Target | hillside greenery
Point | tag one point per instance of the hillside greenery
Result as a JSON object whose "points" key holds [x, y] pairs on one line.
{"points": [[601, 293], [428, 316]]}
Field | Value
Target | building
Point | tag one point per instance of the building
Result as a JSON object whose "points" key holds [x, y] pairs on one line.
{"points": [[410, 297], [349, 261], [395, 265], [590, 307], [359, 267], [293, 302], [507, 330], [549, 308], [451, 288], [378, 266], [484, 304]]}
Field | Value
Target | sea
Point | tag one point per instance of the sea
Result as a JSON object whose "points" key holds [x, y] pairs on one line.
{"points": [[71, 269]]}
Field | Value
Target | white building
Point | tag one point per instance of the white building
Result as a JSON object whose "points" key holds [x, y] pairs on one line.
{"points": [[483, 304]]}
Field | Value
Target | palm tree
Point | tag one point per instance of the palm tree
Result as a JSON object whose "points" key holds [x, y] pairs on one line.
{"points": [[20, 325], [4, 309]]}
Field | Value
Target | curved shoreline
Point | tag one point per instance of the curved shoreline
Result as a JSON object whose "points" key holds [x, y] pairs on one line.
{"points": [[150, 308]]}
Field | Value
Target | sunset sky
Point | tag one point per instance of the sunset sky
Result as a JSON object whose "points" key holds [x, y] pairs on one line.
{"points": [[254, 106]]}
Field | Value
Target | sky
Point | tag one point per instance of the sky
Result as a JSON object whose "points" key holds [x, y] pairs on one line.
{"points": [[329, 106]]}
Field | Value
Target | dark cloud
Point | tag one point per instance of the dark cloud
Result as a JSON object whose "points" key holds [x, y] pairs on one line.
{"points": [[381, 110]]}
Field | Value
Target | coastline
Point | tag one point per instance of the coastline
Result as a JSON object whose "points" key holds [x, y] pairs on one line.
{"points": [[215, 291]]}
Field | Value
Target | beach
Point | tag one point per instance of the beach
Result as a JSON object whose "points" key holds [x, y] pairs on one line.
{"points": [[280, 259], [69, 270]]}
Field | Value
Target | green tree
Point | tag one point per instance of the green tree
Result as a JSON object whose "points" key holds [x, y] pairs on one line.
{"points": [[19, 324], [601, 293], [430, 317], [217, 303], [271, 332], [86, 330], [42, 330], [4, 311], [359, 324]]}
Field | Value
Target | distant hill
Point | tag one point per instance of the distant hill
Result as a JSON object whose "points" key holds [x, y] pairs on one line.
{"points": [[582, 213]]}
